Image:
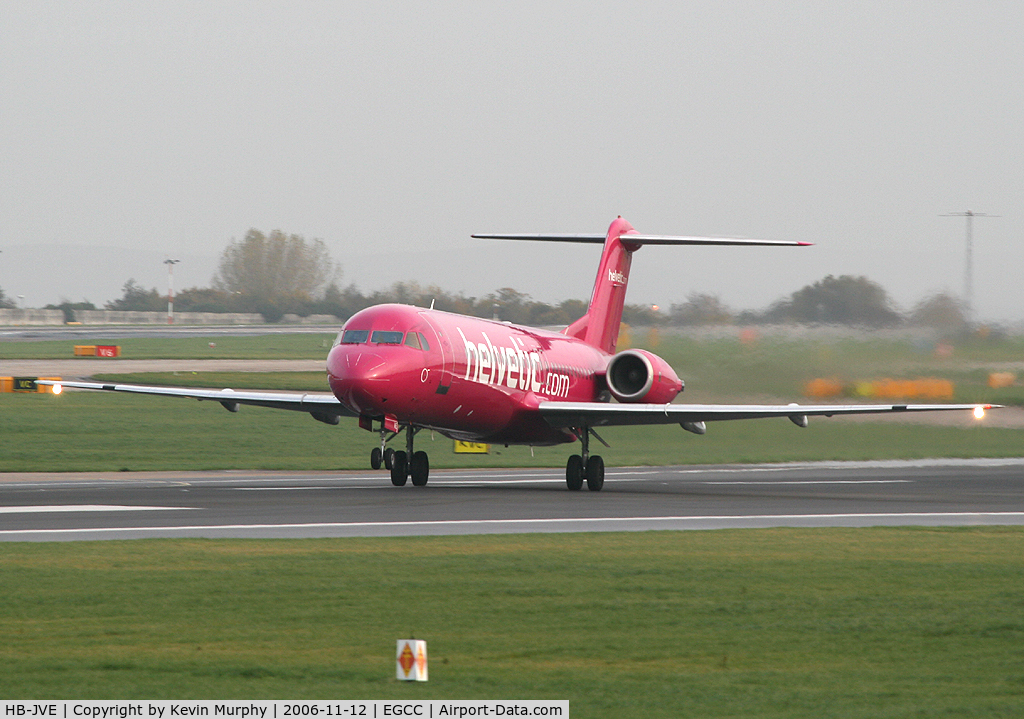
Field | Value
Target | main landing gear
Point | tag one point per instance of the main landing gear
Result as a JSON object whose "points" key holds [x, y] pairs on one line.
{"points": [[403, 465], [588, 466]]}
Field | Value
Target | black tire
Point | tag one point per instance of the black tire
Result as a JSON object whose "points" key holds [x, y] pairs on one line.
{"points": [[376, 457], [389, 458], [595, 473], [574, 473], [399, 470], [420, 469]]}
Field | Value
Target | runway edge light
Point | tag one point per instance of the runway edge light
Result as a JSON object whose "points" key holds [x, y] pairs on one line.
{"points": [[411, 660]]}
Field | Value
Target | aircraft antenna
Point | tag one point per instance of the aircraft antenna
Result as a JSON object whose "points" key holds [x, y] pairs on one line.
{"points": [[969, 259]]}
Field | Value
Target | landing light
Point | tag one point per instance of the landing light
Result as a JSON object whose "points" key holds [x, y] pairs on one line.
{"points": [[979, 412], [57, 389]]}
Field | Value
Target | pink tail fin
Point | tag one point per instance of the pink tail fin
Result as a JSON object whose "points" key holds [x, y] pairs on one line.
{"points": [[600, 326]]}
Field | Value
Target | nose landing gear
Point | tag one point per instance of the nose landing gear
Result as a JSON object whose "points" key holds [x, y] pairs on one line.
{"points": [[383, 454]]}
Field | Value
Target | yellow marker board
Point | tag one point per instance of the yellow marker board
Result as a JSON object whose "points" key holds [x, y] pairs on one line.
{"points": [[471, 448]]}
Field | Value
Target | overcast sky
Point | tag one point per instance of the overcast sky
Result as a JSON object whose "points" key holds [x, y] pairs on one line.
{"points": [[131, 132]]}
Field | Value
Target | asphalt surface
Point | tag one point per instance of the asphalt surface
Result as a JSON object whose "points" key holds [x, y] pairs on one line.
{"points": [[63, 507], [85, 332]]}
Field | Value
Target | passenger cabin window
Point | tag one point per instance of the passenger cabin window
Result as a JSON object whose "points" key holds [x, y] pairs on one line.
{"points": [[354, 337], [386, 337]]}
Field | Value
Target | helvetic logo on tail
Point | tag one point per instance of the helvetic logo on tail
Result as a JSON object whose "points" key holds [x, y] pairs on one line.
{"points": [[616, 277]]}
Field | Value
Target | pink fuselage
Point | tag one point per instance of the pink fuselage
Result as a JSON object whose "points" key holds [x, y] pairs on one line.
{"points": [[477, 380]]}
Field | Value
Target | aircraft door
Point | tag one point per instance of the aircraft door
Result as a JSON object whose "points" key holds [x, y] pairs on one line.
{"points": [[440, 340]]}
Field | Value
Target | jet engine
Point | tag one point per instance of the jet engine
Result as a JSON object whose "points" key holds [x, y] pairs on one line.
{"points": [[640, 376]]}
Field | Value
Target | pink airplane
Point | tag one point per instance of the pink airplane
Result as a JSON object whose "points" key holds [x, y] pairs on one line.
{"points": [[398, 367]]}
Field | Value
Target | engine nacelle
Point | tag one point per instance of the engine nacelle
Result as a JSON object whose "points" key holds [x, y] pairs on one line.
{"points": [[641, 376]]}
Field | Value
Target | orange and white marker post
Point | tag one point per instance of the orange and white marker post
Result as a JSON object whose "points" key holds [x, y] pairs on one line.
{"points": [[411, 660]]}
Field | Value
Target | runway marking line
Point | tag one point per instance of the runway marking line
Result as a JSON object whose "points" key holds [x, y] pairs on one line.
{"points": [[40, 509], [497, 522], [494, 482]]}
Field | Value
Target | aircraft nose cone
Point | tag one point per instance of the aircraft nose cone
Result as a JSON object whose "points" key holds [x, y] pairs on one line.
{"points": [[356, 376]]}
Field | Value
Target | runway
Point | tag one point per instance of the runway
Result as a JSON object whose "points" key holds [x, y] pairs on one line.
{"points": [[65, 507]]}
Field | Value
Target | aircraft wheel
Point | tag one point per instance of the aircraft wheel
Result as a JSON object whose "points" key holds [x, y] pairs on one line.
{"points": [[376, 458], [399, 470], [574, 473], [420, 468], [389, 458], [595, 473]]}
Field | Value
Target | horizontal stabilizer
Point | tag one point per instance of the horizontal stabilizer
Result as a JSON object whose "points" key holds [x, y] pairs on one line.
{"points": [[649, 240]]}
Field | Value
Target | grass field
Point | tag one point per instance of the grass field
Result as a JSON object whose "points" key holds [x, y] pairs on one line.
{"points": [[78, 432], [100, 431], [884, 622], [766, 623]]}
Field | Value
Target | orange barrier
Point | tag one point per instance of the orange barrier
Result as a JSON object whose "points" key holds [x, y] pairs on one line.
{"points": [[97, 351], [922, 388], [1001, 379], [25, 384], [820, 387]]}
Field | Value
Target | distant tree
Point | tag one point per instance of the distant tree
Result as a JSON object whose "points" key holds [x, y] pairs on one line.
{"points": [[276, 273], [138, 299], [69, 307], [941, 311], [572, 310], [701, 309], [342, 303], [838, 300], [6, 304], [507, 305], [642, 316], [203, 299]]}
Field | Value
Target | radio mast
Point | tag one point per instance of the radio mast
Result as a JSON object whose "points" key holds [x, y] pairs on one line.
{"points": [[969, 259]]}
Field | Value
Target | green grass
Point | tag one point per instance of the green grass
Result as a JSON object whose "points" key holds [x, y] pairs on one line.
{"points": [[767, 623], [94, 431], [80, 432]]}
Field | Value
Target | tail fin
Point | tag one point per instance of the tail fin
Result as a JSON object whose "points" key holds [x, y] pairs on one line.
{"points": [[600, 326]]}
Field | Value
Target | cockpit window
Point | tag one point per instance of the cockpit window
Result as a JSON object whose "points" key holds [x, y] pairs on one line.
{"points": [[423, 341], [412, 340], [385, 337], [354, 337]]}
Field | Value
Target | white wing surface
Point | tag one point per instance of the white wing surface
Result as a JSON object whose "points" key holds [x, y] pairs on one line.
{"points": [[324, 407], [595, 414]]}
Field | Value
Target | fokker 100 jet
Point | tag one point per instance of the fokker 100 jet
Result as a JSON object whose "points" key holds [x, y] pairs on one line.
{"points": [[402, 368]]}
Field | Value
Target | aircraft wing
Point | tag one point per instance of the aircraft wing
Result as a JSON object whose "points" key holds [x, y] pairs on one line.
{"points": [[324, 407], [598, 414]]}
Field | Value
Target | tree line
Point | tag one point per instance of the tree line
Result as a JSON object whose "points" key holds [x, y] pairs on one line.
{"points": [[276, 274]]}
